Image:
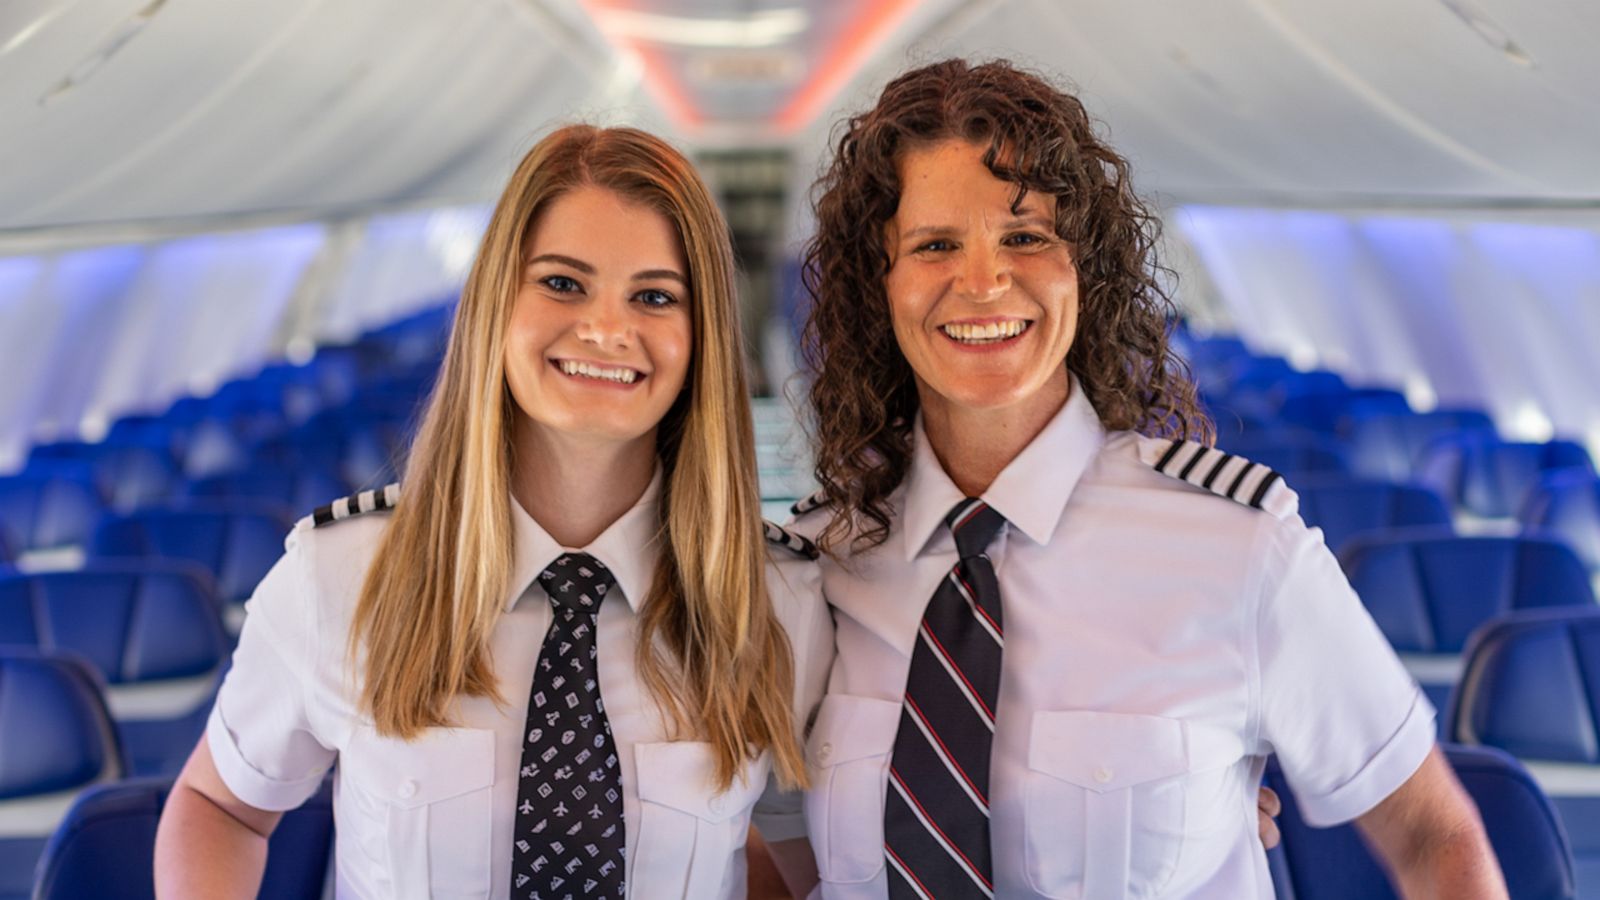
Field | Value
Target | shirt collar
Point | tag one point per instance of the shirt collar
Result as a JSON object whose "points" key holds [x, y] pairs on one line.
{"points": [[628, 547], [1031, 491]]}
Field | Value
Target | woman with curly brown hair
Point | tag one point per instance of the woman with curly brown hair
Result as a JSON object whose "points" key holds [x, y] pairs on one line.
{"points": [[1112, 650]]}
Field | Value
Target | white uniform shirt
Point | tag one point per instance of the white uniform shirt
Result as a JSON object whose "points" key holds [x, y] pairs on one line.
{"points": [[1160, 642], [434, 817]]}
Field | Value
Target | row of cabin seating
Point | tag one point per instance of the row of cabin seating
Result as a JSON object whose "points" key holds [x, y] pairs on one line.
{"points": [[1477, 558], [72, 826], [111, 653]]}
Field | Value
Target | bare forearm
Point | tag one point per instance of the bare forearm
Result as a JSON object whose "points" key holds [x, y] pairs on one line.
{"points": [[1459, 866], [204, 852]]}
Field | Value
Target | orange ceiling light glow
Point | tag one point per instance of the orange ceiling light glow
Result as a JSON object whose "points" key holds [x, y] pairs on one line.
{"points": [[859, 40], [658, 78]]}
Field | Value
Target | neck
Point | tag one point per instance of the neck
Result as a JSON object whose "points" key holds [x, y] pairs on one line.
{"points": [[974, 445], [575, 488]]}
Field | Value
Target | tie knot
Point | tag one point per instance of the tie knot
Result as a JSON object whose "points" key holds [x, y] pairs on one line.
{"points": [[577, 582], [974, 524]]}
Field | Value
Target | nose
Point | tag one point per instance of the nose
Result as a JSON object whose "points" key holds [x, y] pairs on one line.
{"points": [[607, 325], [984, 274]]}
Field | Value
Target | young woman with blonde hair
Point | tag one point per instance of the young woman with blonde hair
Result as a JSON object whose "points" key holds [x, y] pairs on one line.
{"points": [[561, 659]]}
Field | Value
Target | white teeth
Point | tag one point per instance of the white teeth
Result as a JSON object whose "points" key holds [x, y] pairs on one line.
{"points": [[992, 331], [619, 375]]}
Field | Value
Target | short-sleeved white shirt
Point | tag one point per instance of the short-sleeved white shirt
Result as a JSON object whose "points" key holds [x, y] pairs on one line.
{"points": [[434, 817], [1160, 642]]}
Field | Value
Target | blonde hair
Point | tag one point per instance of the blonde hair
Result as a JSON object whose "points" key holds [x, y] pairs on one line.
{"points": [[435, 590]]}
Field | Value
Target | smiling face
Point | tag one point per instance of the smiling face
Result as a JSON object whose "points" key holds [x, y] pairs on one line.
{"points": [[984, 297], [600, 334]]}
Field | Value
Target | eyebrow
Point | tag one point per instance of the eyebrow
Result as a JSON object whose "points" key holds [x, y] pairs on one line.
{"points": [[1036, 219], [585, 268]]}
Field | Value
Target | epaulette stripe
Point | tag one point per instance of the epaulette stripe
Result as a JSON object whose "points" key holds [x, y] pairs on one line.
{"points": [[1194, 462], [322, 515], [807, 504], [1258, 474], [371, 500], [1167, 457], [1216, 470], [1266, 484], [1239, 479], [380, 499], [795, 542], [364, 502]]}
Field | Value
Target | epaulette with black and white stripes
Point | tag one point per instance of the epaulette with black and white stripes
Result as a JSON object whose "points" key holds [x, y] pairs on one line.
{"points": [[353, 505], [1223, 474], [798, 544], [807, 504]]}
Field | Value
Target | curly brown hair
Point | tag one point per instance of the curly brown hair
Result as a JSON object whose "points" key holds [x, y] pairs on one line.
{"points": [[863, 396]]}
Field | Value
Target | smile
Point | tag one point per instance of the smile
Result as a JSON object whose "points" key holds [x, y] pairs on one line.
{"points": [[614, 374], [995, 332]]}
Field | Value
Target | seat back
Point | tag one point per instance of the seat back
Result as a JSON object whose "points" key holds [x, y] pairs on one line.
{"points": [[41, 511], [1387, 443], [1490, 478], [236, 541], [56, 737], [1566, 505], [1524, 829], [133, 621], [108, 838], [301, 489], [1344, 507], [1428, 591], [1528, 686], [1293, 457]]}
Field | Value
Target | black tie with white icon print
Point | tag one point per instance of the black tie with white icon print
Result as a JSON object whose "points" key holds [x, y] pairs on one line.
{"points": [[569, 835]]}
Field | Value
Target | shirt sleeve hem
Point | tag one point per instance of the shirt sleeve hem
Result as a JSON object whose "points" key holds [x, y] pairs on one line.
{"points": [[245, 781], [1388, 769]]}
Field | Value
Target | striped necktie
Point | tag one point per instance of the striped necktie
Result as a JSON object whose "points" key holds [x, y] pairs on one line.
{"points": [[936, 815]]}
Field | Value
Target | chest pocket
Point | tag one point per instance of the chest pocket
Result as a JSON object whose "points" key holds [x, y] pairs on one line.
{"points": [[422, 808], [847, 759], [690, 841], [1114, 800]]}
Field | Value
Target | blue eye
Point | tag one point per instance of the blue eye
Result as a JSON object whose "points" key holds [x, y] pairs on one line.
{"points": [[1025, 239], [655, 299], [561, 284], [935, 246]]}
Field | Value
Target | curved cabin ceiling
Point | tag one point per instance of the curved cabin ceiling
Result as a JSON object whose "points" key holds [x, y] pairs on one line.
{"points": [[144, 110]]}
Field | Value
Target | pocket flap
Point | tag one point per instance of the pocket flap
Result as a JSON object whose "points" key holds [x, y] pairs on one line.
{"points": [[850, 728], [440, 764], [682, 775], [1101, 751]]}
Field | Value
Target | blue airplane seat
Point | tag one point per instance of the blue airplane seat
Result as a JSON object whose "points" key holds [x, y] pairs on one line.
{"points": [[221, 445], [1386, 444], [1294, 457], [1323, 405], [301, 489], [133, 476], [1490, 479], [168, 432], [1528, 688], [42, 511], [1566, 505], [1344, 506], [61, 451], [1428, 590], [1523, 827], [56, 737], [105, 846], [236, 541], [151, 629]]}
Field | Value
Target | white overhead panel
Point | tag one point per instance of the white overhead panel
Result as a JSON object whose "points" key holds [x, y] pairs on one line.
{"points": [[135, 111], [1304, 101]]}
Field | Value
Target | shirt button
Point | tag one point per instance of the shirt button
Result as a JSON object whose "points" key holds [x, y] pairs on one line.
{"points": [[825, 751], [1103, 775], [408, 789]]}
